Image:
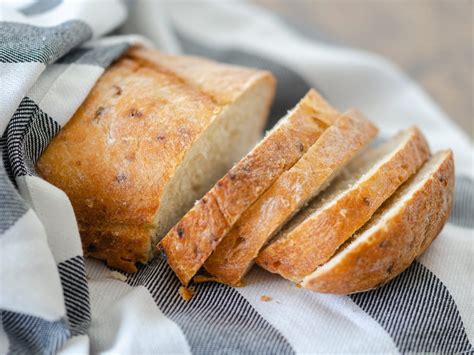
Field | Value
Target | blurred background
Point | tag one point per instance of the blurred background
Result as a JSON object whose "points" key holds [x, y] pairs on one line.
{"points": [[431, 40]]}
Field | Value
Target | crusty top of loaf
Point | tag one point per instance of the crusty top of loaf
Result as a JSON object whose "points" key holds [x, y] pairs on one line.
{"points": [[117, 153], [222, 83]]}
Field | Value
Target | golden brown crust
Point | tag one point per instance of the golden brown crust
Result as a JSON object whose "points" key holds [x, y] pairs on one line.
{"points": [[120, 246], [120, 149], [337, 145], [188, 244], [221, 82], [387, 250], [248, 179], [310, 244], [185, 293]]}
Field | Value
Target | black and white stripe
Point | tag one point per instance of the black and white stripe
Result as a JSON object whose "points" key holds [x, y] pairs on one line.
{"points": [[418, 312], [217, 320], [415, 309], [23, 43], [32, 335], [25, 51], [12, 206], [28, 133], [463, 209], [76, 294]]}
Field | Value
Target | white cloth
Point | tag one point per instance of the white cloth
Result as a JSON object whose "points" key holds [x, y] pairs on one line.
{"points": [[50, 57]]}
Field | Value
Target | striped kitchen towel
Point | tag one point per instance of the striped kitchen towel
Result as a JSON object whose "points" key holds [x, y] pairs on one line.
{"points": [[52, 300]]}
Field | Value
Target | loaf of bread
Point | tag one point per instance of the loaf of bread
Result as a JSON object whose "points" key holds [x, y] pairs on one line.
{"points": [[154, 134], [234, 256], [194, 238], [145, 162]]}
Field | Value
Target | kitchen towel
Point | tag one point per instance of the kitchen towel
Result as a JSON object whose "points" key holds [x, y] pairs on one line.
{"points": [[53, 300]]}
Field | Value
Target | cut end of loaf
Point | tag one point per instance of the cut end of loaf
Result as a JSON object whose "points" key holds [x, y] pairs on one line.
{"points": [[401, 230], [227, 139]]}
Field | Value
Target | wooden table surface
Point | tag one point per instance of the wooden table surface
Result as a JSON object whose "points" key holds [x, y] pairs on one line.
{"points": [[431, 40]]}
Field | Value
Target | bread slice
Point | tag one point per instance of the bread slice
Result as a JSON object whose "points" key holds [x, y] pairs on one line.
{"points": [[315, 234], [154, 134], [401, 230], [194, 238], [234, 256]]}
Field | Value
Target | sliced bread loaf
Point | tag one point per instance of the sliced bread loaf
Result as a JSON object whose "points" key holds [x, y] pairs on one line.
{"points": [[292, 190], [190, 242], [153, 135], [403, 227], [315, 234]]}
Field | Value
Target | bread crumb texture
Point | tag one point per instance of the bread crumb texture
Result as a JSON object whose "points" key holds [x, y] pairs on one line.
{"points": [[265, 298], [185, 293]]}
